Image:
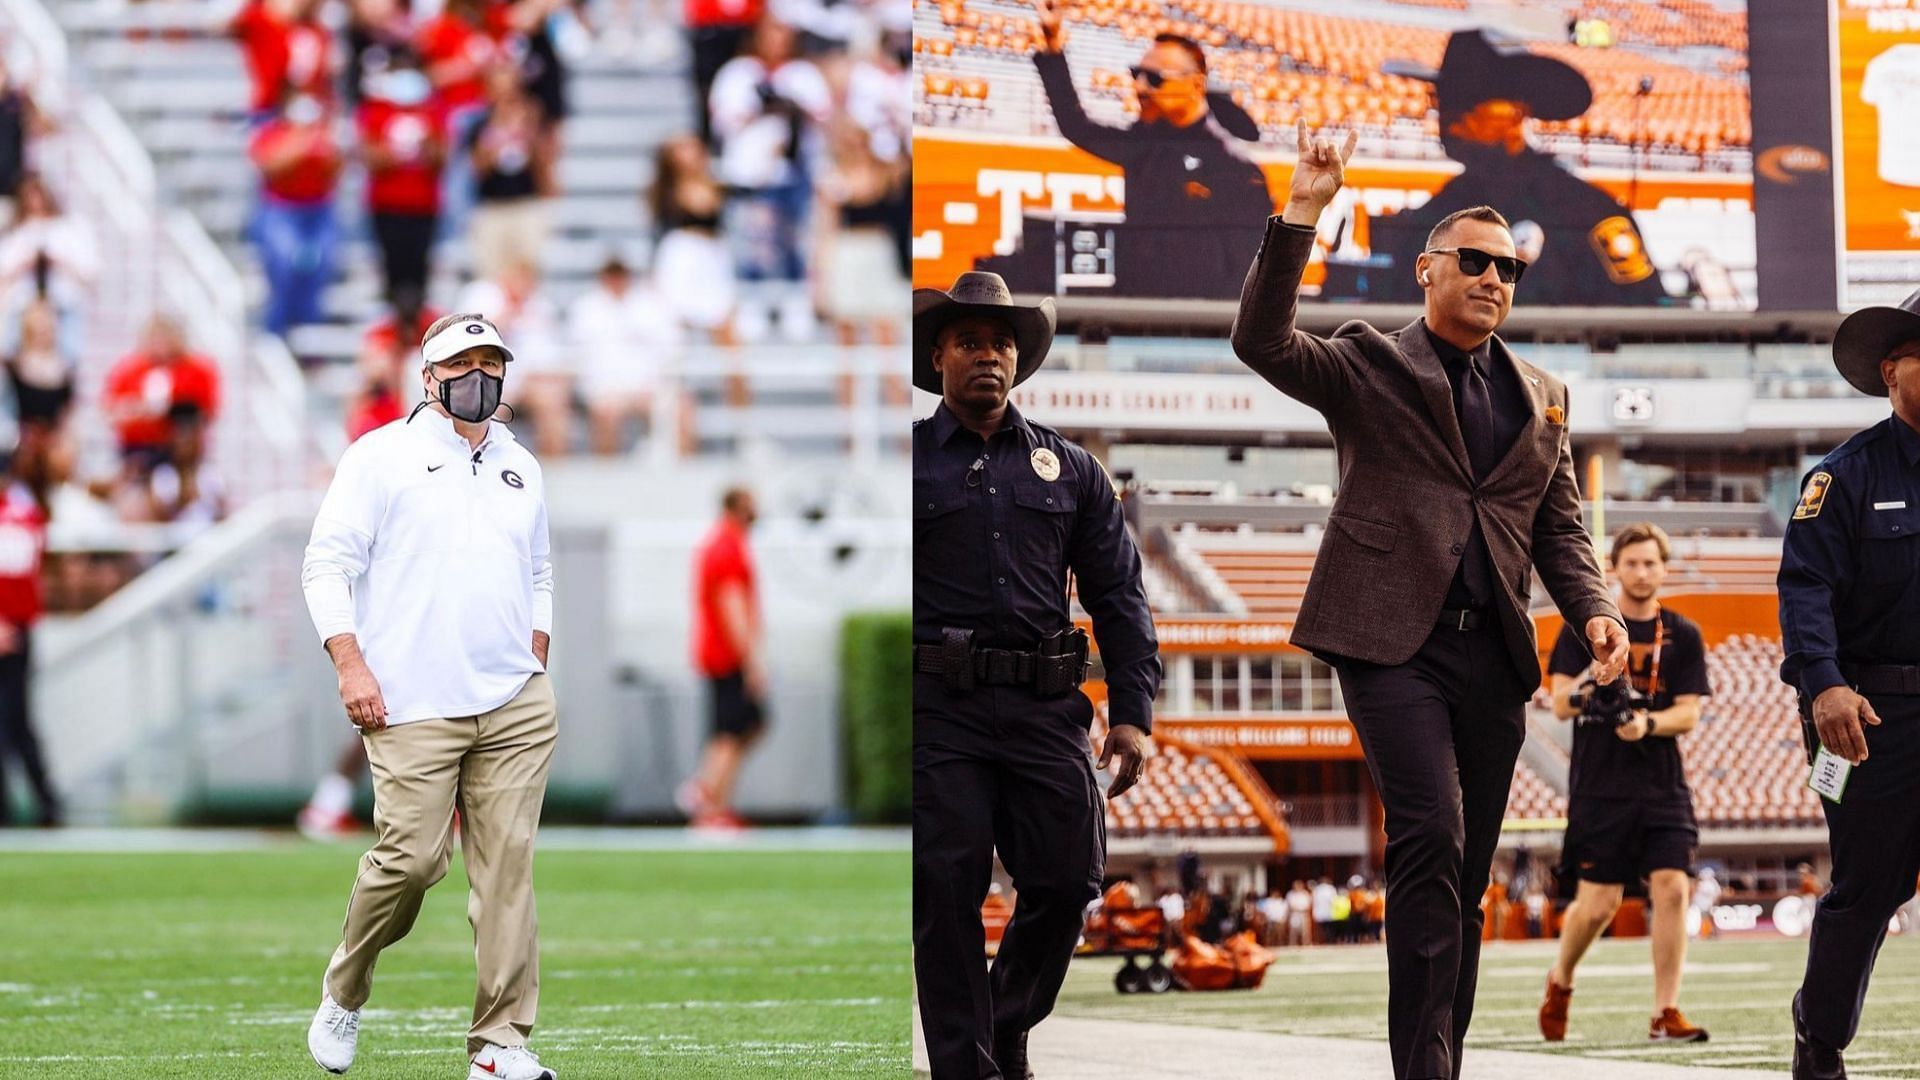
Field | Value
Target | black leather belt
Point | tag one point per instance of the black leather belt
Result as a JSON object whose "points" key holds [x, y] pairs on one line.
{"points": [[1462, 618], [1883, 678], [994, 667]]}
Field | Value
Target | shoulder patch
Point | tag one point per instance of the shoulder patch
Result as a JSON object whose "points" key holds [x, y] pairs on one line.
{"points": [[1814, 496], [1617, 244]]}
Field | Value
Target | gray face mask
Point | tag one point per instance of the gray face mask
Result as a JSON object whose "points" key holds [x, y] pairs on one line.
{"points": [[473, 397]]}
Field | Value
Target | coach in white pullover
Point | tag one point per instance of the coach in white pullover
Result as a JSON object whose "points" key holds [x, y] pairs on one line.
{"points": [[429, 582]]}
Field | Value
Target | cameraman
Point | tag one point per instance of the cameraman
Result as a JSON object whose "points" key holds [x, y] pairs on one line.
{"points": [[1629, 811]]}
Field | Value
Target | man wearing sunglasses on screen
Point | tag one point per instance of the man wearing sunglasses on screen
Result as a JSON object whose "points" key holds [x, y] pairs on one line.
{"points": [[1456, 486], [1186, 161]]}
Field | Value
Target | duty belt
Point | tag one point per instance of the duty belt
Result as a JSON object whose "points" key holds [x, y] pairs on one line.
{"points": [[1897, 679], [1054, 668], [992, 667]]}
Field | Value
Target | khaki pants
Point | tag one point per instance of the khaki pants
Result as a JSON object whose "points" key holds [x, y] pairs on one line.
{"points": [[501, 234], [494, 767]]}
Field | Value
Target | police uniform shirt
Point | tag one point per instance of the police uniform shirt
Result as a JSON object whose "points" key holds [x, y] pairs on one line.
{"points": [[1605, 766], [1849, 592], [1592, 252], [997, 527]]}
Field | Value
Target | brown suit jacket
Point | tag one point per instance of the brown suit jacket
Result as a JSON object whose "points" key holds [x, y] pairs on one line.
{"points": [[1407, 496]]}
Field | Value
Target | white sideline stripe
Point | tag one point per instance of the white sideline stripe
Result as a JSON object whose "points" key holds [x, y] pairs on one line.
{"points": [[560, 838], [1070, 1048]]}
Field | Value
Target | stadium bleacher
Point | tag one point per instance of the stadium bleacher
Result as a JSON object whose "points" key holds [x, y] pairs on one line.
{"points": [[1282, 63], [1189, 791]]}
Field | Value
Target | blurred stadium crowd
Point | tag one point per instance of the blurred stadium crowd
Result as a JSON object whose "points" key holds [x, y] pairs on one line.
{"points": [[784, 200], [413, 147]]}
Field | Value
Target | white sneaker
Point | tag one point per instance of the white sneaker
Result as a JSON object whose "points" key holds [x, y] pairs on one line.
{"points": [[334, 1035], [508, 1063]]}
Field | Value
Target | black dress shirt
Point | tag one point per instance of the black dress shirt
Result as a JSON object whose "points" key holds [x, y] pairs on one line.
{"points": [[1473, 578], [997, 527]]}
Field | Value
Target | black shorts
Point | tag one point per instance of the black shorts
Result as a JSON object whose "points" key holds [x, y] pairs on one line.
{"points": [[735, 712], [1623, 841]]}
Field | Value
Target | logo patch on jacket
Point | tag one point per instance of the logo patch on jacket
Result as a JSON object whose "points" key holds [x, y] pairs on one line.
{"points": [[512, 478], [1814, 495]]}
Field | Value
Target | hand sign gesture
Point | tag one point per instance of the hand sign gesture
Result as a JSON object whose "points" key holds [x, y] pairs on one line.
{"points": [[1050, 17], [1321, 170]]}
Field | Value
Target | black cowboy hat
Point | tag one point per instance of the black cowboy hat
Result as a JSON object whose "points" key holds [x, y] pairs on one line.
{"points": [[1868, 335], [1476, 68], [977, 292]]}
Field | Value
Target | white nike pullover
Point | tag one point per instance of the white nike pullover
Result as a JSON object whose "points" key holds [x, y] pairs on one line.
{"points": [[434, 555]]}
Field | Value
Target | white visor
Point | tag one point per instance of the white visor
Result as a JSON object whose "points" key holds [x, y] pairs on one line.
{"points": [[458, 337]]}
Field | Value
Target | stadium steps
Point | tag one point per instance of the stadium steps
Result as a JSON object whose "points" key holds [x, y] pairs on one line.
{"points": [[182, 87]]}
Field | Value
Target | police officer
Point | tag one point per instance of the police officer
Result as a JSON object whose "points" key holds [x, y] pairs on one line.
{"points": [[1004, 511], [1586, 247], [1850, 625]]}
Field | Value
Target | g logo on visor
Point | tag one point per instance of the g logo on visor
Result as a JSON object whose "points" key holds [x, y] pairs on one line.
{"points": [[475, 328], [512, 478]]}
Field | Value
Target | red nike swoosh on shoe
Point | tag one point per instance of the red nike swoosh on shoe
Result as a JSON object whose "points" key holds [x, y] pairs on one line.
{"points": [[487, 1065]]}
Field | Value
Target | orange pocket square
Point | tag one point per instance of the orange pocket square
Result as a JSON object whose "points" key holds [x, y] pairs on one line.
{"points": [[1556, 415]]}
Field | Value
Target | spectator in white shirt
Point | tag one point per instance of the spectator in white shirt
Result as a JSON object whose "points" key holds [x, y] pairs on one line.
{"points": [[1323, 896], [624, 334], [48, 253], [767, 107], [1299, 906]]}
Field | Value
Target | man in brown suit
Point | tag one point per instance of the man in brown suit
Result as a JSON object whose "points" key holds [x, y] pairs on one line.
{"points": [[1456, 483]]}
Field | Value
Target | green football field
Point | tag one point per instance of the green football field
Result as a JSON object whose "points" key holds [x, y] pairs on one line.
{"points": [[676, 964], [1739, 989]]}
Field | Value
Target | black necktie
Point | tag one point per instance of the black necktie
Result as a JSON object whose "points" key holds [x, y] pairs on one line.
{"points": [[1473, 404]]}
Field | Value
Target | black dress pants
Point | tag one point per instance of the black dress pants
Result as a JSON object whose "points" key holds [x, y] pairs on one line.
{"points": [[17, 741], [1441, 733], [999, 768], [1874, 835]]}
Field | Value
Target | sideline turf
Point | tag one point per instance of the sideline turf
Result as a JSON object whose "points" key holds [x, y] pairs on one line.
{"points": [[1739, 989], [684, 964]]}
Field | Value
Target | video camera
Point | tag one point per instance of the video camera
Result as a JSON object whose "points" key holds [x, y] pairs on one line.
{"points": [[1612, 704]]}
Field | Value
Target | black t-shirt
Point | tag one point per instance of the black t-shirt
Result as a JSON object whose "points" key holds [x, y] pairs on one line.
{"points": [[1606, 767], [512, 175]]}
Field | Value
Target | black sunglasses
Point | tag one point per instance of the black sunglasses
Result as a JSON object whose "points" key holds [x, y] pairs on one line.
{"points": [[1473, 263], [1154, 79]]}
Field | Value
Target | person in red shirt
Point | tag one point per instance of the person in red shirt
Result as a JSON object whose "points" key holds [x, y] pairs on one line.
{"points": [[458, 47], [387, 352], [403, 140], [294, 225], [23, 540], [286, 46], [729, 653], [144, 386]]}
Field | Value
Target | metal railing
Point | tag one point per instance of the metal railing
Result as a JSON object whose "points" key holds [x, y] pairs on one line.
{"points": [[157, 258], [1325, 811]]}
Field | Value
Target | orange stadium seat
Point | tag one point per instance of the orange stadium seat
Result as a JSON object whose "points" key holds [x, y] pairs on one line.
{"points": [[1285, 64], [1181, 793]]}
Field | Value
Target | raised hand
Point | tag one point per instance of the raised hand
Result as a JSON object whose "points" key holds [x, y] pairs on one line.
{"points": [[1318, 174], [1050, 33]]}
